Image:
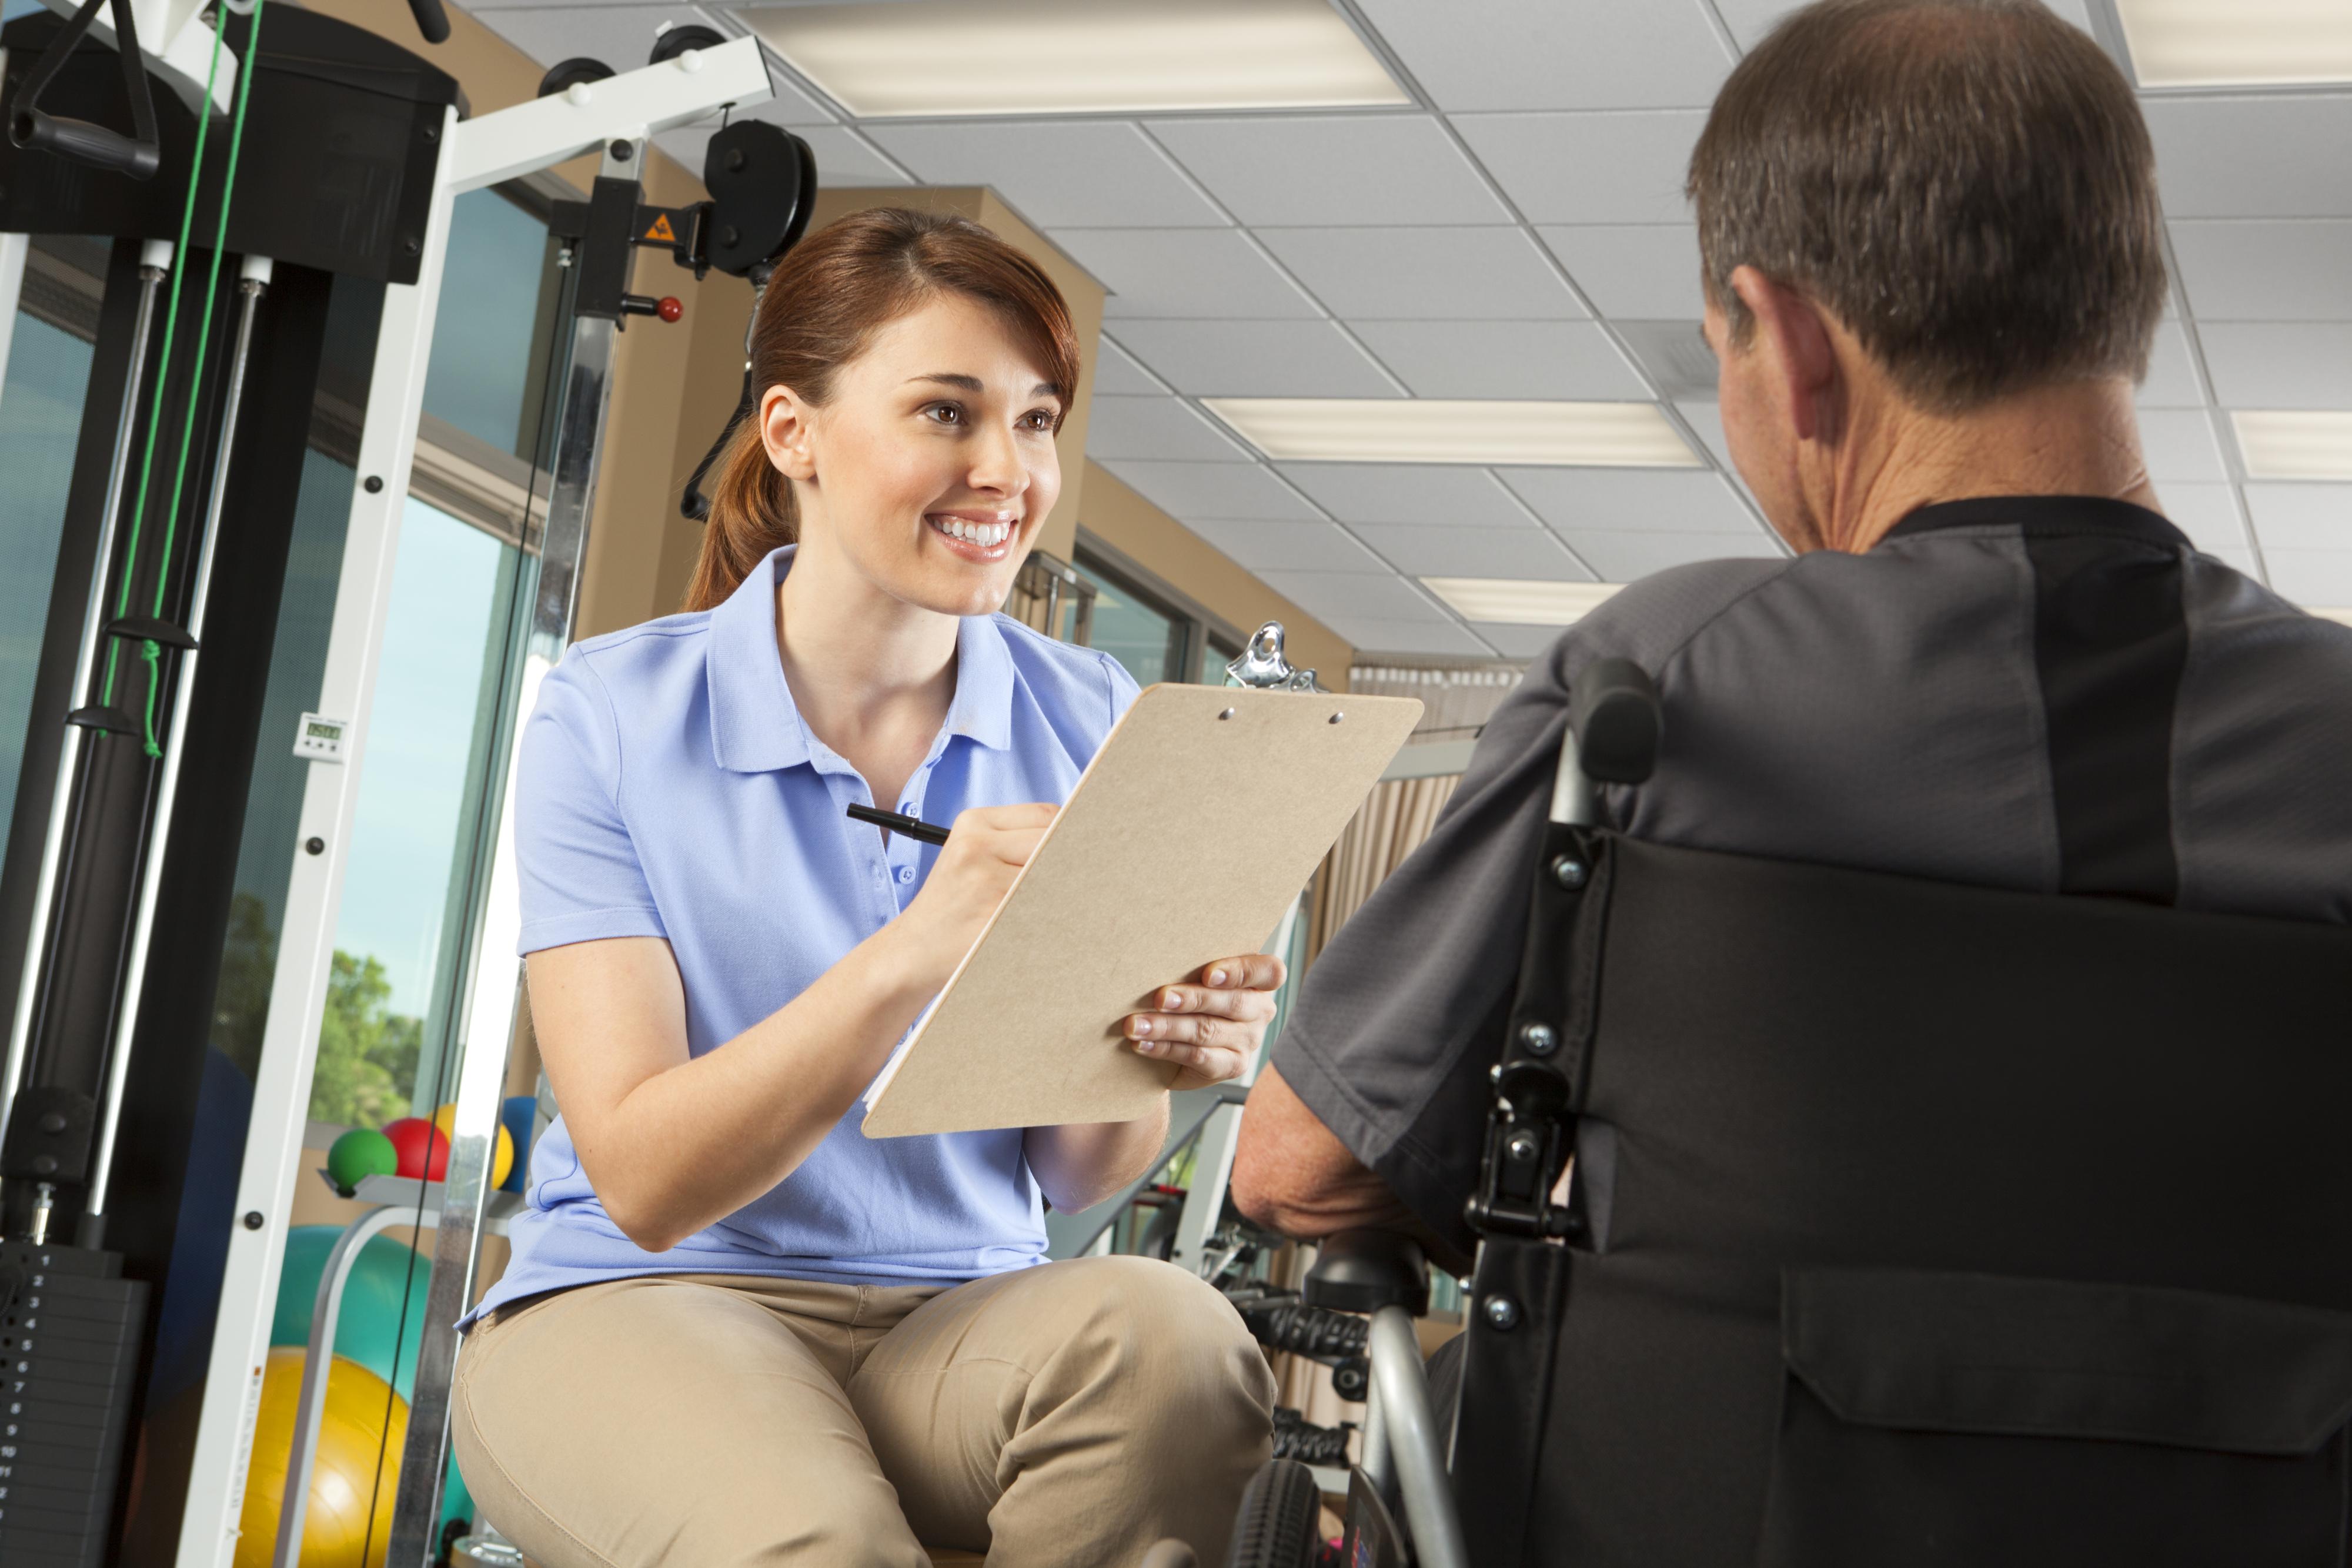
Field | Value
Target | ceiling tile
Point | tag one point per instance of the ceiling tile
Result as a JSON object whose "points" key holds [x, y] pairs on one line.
{"points": [[1751, 20], [1381, 595], [2315, 579], [1162, 428], [842, 158], [1287, 545], [1673, 354], [1621, 556], [1082, 173], [2259, 365], [1118, 374], [1408, 274], [1566, 360], [1642, 271], [1706, 419], [1255, 359], [2268, 269], [1540, 54], [2208, 514], [2219, 157], [1435, 550], [1590, 168], [1154, 273], [1435, 495], [2302, 517], [1194, 490], [2180, 444], [1368, 634], [1364, 169], [1657, 500], [1515, 642], [2171, 378]]}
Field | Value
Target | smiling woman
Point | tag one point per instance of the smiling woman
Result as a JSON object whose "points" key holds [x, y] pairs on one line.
{"points": [[809, 1343]]}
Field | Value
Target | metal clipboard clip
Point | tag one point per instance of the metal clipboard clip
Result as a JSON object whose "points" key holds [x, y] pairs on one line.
{"points": [[1262, 665]]}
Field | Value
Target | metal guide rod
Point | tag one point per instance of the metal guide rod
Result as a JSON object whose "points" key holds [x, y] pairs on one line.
{"points": [[154, 263], [495, 982], [281, 1096], [1416, 1451], [253, 282]]}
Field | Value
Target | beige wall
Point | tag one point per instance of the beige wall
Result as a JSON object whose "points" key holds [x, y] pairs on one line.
{"points": [[1189, 564]]}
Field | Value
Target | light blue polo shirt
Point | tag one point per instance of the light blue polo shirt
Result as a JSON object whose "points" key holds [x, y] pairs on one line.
{"points": [[668, 788]]}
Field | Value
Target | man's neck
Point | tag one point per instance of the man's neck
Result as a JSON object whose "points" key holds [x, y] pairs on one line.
{"points": [[2079, 438]]}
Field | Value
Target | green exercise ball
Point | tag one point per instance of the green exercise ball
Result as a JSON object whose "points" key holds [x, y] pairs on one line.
{"points": [[369, 1328], [358, 1153]]}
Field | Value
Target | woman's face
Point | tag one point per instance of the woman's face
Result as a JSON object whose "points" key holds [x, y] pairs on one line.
{"points": [[931, 467]]}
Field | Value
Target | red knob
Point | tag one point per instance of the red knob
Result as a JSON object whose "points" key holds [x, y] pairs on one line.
{"points": [[669, 309]]}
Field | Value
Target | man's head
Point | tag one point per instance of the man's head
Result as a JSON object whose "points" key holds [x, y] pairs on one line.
{"points": [[1918, 208]]}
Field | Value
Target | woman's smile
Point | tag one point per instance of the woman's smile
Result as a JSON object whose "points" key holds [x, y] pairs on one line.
{"points": [[982, 536]]}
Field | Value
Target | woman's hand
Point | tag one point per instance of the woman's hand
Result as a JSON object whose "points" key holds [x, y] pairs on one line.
{"points": [[986, 849], [1212, 1024]]}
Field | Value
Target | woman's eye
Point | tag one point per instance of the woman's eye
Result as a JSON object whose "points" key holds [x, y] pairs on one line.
{"points": [[1038, 419], [944, 414]]}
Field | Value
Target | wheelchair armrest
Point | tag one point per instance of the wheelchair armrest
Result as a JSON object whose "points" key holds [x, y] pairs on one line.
{"points": [[1364, 1271]]}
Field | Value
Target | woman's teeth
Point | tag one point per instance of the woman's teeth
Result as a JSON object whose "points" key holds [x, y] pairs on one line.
{"points": [[981, 534]]}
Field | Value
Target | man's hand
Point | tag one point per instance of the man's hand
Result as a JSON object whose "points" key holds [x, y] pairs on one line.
{"points": [[1211, 1024]]}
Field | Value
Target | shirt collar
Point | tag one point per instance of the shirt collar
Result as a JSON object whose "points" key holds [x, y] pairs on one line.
{"points": [[2045, 516], [755, 726]]}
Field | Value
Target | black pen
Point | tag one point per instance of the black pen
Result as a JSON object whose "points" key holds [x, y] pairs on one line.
{"points": [[915, 828]]}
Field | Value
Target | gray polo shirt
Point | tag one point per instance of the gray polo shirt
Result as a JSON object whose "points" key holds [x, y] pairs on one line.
{"points": [[2047, 692]]}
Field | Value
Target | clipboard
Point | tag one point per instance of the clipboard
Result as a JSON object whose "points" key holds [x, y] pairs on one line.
{"points": [[1188, 836]]}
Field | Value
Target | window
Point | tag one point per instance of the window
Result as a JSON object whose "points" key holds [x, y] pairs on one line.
{"points": [[1154, 630]]}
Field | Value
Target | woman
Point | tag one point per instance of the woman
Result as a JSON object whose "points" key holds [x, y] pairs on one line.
{"points": [[735, 1329]]}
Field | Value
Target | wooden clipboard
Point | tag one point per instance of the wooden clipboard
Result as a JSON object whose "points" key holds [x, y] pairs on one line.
{"points": [[1200, 818]]}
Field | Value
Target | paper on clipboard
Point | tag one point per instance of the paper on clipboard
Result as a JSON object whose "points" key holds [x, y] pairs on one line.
{"points": [[1191, 832]]}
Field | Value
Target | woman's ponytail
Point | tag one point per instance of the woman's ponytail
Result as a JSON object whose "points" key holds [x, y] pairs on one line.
{"points": [[828, 298]]}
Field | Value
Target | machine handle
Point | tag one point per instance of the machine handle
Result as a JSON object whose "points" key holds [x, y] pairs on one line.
{"points": [[86, 143], [1614, 713], [431, 20]]}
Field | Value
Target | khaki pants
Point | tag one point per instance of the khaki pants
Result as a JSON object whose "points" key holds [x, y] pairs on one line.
{"points": [[1073, 1413]]}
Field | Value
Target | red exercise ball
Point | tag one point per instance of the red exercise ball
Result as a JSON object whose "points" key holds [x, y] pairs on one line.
{"points": [[412, 1138]]}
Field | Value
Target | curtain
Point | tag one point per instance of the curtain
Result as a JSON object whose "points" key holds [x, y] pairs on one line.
{"points": [[1393, 821]]}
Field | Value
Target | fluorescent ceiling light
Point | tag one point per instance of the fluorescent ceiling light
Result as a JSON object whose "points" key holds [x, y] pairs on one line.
{"points": [[1520, 602], [2344, 615], [1434, 429], [2237, 43], [1075, 56], [2293, 444]]}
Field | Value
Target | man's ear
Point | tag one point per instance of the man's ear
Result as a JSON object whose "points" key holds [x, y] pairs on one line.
{"points": [[1792, 331], [785, 432]]}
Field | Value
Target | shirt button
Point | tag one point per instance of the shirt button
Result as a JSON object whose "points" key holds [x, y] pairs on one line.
{"points": [[905, 873]]}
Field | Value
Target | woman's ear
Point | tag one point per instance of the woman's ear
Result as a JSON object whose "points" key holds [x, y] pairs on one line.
{"points": [[785, 432]]}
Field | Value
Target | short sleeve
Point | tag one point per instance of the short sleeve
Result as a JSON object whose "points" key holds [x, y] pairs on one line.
{"points": [[1123, 690], [581, 880], [1401, 1015]]}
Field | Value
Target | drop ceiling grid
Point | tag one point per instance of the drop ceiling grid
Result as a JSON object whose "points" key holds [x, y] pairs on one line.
{"points": [[1549, 200]]}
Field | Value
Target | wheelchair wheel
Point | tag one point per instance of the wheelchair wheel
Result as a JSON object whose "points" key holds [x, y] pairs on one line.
{"points": [[1277, 1525]]}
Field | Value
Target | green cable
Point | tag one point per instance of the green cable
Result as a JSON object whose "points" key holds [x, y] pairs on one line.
{"points": [[163, 362], [204, 340]]}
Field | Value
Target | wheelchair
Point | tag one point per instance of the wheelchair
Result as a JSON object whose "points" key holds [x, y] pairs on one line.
{"points": [[1838, 1218]]}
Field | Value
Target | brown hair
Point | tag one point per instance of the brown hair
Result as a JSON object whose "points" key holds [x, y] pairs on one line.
{"points": [[1967, 184], [827, 299]]}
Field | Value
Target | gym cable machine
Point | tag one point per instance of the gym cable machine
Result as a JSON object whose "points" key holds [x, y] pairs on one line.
{"points": [[318, 151]]}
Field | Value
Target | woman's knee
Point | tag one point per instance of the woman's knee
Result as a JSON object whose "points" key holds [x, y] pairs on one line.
{"points": [[1169, 1332]]}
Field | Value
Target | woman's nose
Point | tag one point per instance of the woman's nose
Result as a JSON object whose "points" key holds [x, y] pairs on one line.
{"points": [[996, 464]]}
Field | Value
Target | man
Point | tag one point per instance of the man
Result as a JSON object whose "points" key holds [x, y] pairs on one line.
{"points": [[1932, 253]]}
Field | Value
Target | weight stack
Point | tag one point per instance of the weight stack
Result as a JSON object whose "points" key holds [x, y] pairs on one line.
{"points": [[69, 1328]]}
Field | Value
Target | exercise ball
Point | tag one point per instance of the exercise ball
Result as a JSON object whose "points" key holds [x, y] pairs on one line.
{"points": [[412, 1138], [348, 1523], [446, 1120], [358, 1154]]}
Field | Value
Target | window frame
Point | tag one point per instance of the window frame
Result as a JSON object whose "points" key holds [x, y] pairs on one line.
{"points": [[1203, 628]]}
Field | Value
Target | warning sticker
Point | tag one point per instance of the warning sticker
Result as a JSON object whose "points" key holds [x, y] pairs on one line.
{"points": [[662, 231]]}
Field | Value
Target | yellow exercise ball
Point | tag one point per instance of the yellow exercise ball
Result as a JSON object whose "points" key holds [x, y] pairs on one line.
{"points": [[348, 1523], [445, 1119]]}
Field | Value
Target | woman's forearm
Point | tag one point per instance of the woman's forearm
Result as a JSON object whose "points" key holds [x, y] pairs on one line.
{"points": [[690, 1144], [1080, 1164]]}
